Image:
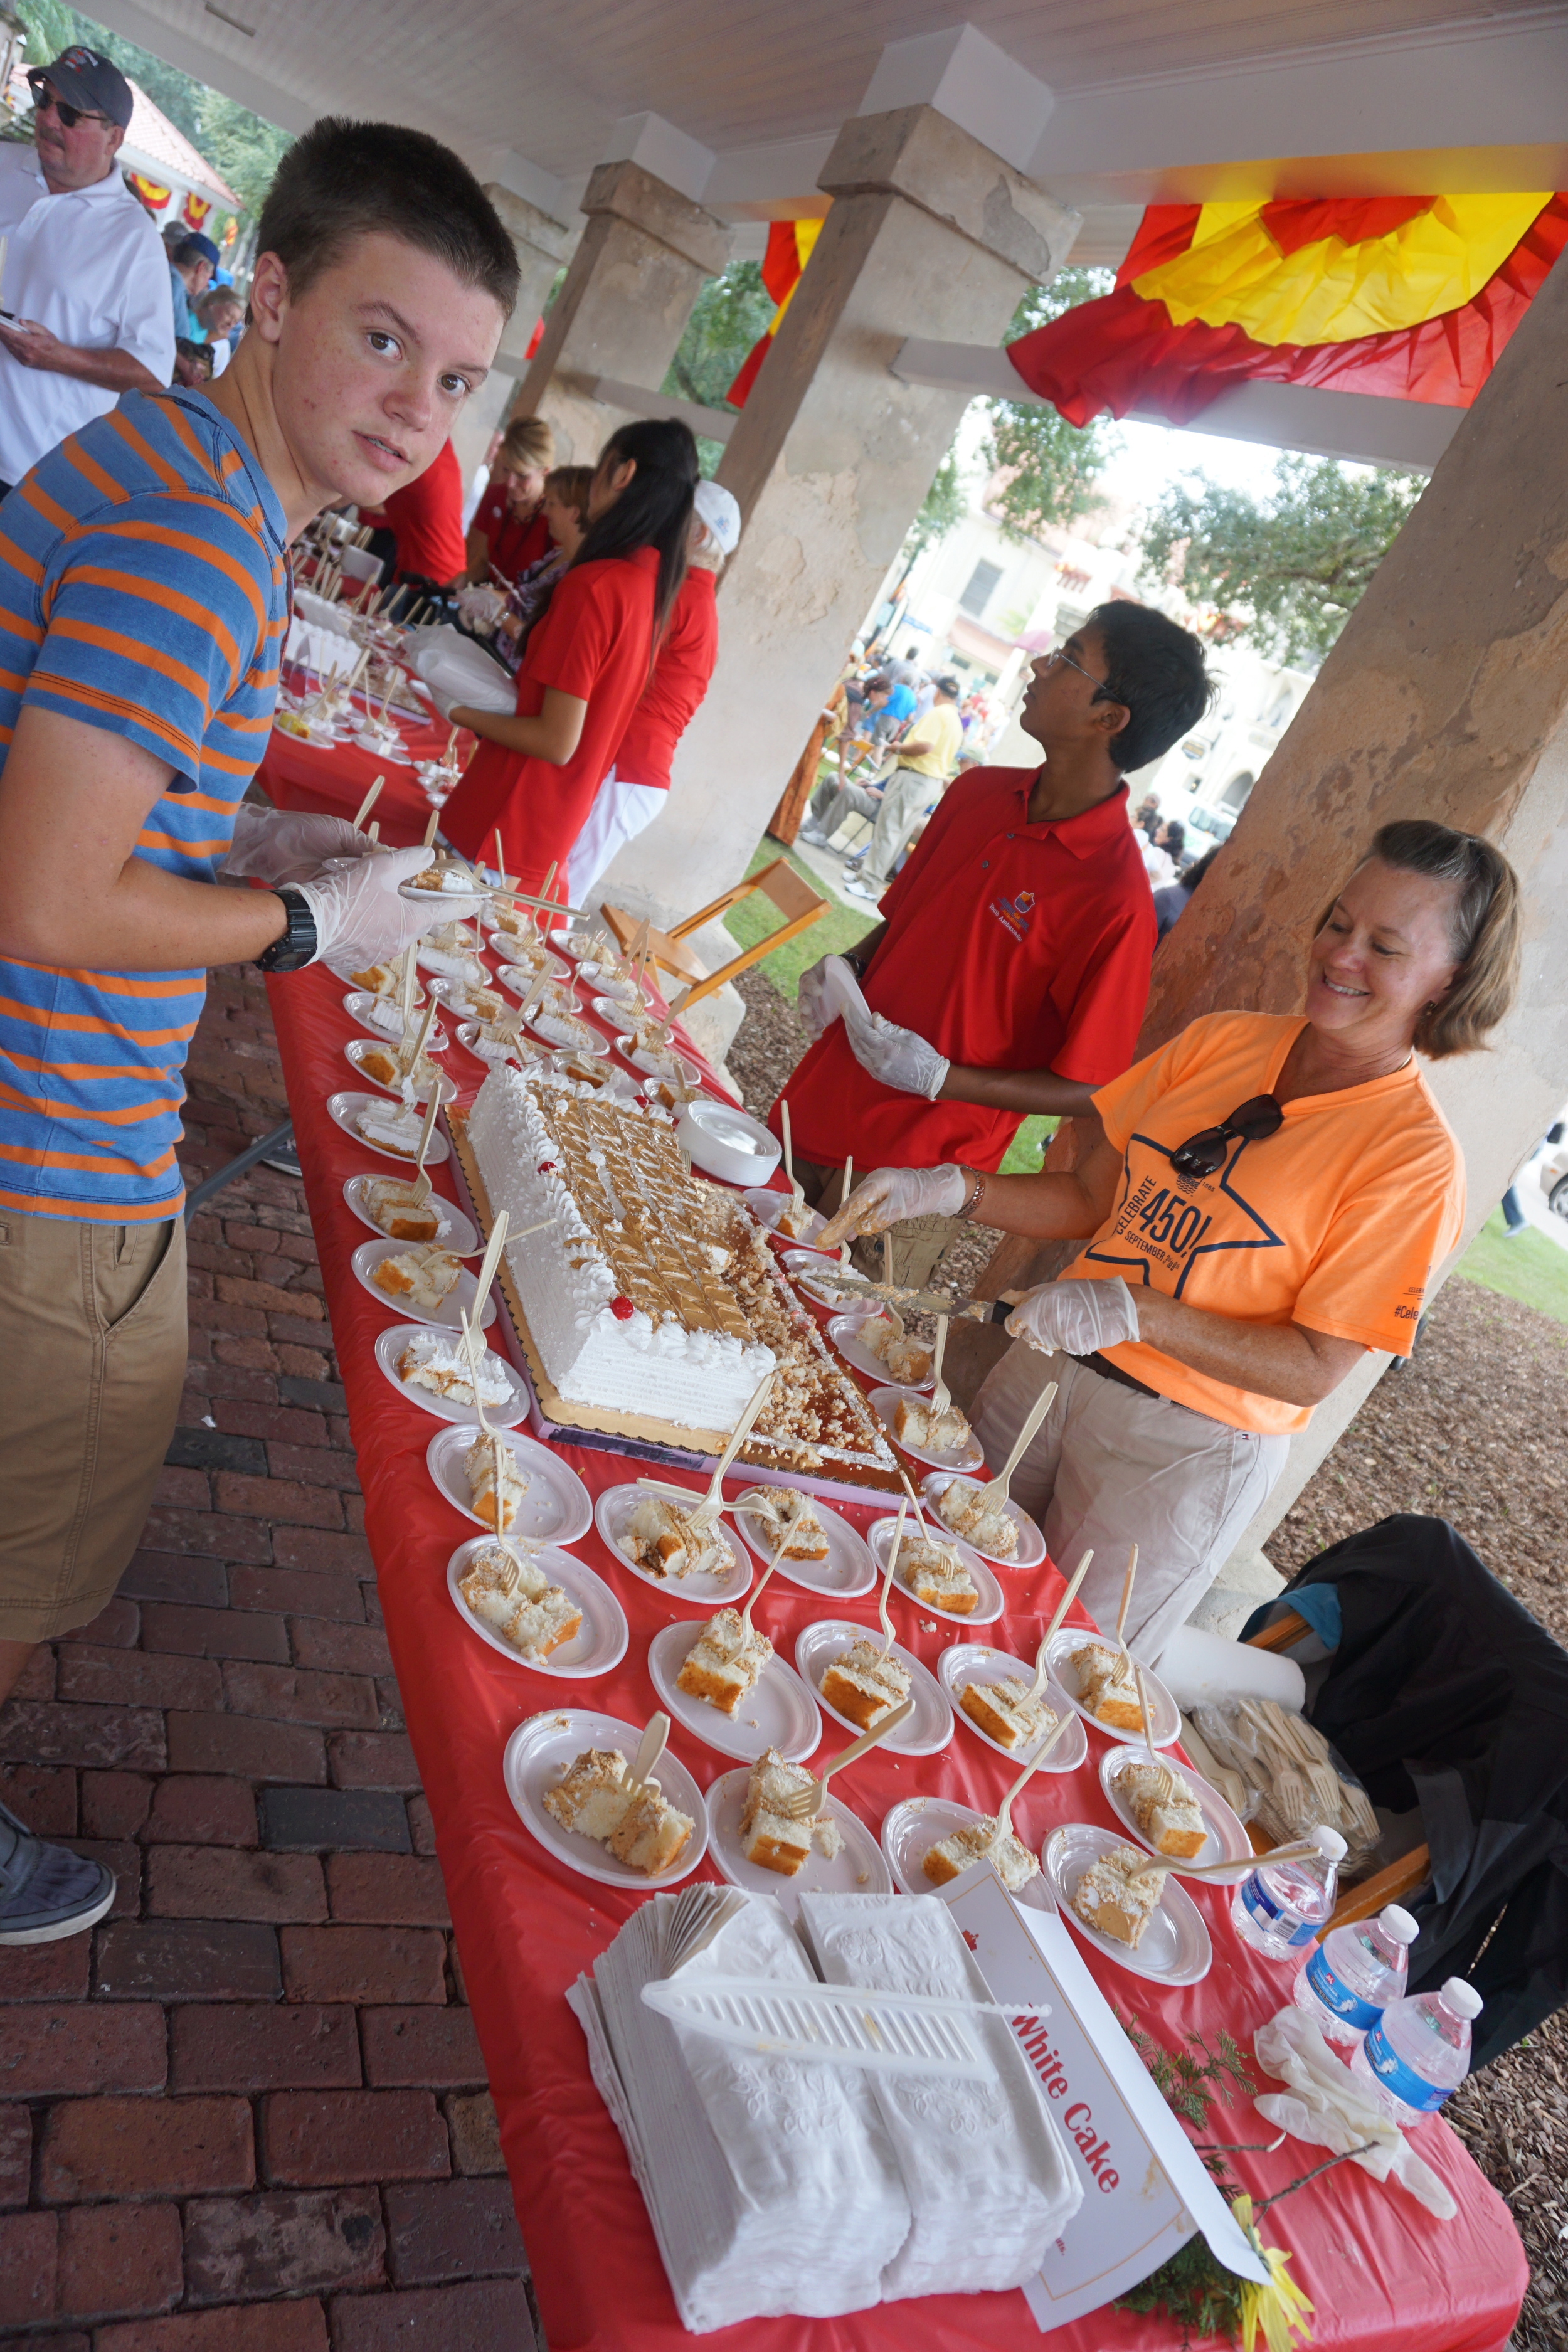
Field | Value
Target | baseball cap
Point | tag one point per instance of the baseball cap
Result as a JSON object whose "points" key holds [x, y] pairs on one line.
{"points": [[203, 246], [719, 511], [85, 77]]}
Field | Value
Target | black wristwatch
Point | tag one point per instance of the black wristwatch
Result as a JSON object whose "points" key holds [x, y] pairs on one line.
{"points": [[297, 945]]}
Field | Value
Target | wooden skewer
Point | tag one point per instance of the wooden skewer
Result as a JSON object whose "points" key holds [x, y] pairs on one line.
{"points": [[375, 831], [410, 975], [846, 1188], [1126, 1597], [501, 859], [368, 802], [887, 1622], [430, 828], [1054, 1628]]}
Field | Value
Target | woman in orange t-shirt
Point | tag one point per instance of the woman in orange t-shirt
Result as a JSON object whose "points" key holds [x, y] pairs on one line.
{"points": [[1265, 1201], [535, 774]]}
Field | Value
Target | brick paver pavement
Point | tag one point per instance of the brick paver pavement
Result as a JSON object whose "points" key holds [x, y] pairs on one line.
{"points": [[248, 2113]]}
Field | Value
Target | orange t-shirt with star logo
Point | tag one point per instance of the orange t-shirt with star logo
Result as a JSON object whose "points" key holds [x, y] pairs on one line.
{"points": [[1335, 1223]]}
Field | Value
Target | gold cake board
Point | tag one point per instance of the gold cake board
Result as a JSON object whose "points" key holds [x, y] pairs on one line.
{"points": [[567, 1415]]}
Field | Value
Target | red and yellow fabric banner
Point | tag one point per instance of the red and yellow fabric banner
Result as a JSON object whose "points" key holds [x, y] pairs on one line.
{"points": [[196, 209], [789, 249], [152, 194], [1411, 296]]}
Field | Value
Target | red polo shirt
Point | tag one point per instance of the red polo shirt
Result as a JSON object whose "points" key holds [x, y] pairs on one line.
{"points": [[678, 683], [425, 517], [1010, 946], [513, 545], [593, 642]]}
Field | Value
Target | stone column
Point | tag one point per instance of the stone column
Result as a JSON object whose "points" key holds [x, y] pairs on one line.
{"points": [[643, 260], [542, 245], [830, 460], [1445, 696]]}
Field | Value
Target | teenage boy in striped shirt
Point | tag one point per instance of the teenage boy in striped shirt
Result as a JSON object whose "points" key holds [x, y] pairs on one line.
{"points": [[143, 592]]}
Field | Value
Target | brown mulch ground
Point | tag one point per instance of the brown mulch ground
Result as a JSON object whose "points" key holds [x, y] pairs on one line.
{"points": [[1470, 1430]]}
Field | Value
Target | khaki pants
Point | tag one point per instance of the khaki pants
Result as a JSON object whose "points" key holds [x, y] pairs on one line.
{"points": [[918, 1244], [93, 1361], [1110, 1468]]}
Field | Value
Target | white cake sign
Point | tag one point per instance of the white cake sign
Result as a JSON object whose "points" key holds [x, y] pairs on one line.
{"points": [[1145, 2189]]}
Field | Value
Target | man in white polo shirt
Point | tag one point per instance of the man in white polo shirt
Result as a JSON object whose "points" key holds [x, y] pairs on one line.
{"points": [[86, 280]]}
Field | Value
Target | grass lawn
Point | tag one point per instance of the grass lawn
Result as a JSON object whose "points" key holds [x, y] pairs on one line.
{"points": [[754, 918], [1532, 1268]]}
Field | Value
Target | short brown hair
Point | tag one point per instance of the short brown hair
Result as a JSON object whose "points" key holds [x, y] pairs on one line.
{"points": [[527, 442], [1483, 923], [343, 180], [569, 487]]}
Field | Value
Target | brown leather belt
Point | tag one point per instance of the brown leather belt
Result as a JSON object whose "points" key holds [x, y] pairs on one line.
{"points": [[1110, 1371]]}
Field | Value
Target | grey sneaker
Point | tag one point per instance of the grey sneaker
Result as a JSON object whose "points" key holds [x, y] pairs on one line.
{"points": [[45, 1891]]}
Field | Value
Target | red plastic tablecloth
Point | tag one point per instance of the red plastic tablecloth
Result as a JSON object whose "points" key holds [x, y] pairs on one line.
{"points": [[334, 780], [1379, 2270]]}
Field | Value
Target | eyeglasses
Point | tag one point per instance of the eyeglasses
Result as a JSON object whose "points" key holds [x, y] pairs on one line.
{"points": [[1254, 1122], [44, 99], [1101, 691]]}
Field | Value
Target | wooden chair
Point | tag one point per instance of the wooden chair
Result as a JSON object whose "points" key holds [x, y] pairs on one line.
{"points": [[779, 882], [1403, 1876]]}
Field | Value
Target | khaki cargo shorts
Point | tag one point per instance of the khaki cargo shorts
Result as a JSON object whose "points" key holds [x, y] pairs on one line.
{"points": [[93, 1361]]}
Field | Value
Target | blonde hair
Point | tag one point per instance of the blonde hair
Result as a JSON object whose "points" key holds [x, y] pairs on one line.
{"points": [[1483, 930], [527, 445]]}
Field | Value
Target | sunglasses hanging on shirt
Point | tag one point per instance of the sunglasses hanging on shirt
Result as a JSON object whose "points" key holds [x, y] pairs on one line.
{"points": [[1203, 1154]]}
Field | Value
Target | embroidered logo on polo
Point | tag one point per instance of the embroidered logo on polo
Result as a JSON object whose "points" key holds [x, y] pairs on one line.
{"points": [[1169, 1221], [1014, 914]]}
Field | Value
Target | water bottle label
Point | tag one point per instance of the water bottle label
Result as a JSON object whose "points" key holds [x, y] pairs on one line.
{"points": [[1335, 1994], [1268, 1914], [1396, 2077]]}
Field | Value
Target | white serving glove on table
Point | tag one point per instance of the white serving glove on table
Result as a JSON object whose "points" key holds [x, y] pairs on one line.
{"points": [[285, 845], [889, 1195], [897, 1057], [1078, 1317], [361, 920], [1324, 2104]]}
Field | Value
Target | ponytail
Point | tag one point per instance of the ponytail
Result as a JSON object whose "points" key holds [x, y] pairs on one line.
{"points": [[653, 510]]}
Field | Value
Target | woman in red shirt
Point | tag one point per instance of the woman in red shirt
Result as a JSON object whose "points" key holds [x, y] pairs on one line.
{"points": [[535, 774], [509, 531], [634, 792]]}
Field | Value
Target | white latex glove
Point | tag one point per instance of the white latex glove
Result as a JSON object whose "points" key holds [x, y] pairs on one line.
{"points": [[899, 1057], [889, 1195], [283, 846], [359, 917], [810, 999], [457, 670], [1330, 2108], [1079, 1318]]}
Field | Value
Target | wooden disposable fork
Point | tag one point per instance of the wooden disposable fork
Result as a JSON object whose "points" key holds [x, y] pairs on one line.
{"points": [[805, 1804]]}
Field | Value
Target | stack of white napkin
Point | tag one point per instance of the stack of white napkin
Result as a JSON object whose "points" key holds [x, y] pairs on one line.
{"points": [[779, 2186]]}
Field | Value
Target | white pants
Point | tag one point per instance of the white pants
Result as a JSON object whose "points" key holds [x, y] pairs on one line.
{"points": [[1107, 1468], [619, 813]]}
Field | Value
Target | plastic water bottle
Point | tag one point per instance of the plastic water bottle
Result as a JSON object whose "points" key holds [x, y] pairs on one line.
{"points": [[1355, 1972], [1419, 2051], [1280, 1907]]}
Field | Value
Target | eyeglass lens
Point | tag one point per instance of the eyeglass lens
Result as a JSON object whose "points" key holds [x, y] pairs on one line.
{"points": [[1252, 1122]]}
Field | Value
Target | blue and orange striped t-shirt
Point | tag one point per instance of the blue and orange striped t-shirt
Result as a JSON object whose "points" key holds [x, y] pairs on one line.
{"points": [[143, 590]]}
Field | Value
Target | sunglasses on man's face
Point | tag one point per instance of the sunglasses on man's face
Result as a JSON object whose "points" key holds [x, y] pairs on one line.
{"points": [[1204, 1152], [67, 117]]}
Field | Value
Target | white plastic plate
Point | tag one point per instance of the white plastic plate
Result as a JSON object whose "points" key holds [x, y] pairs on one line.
{"points": [[345, 1108], [1164, 1719], [519, 1054], [554, 1510], [801, 1265], [357, 1048], [358, 1001], [461, 1235], [612, 1516], [456, 896], [883, 1402], [911, 1828], [777, 1712], [465, 969], [557, 1032], [765, 1206], [1227, 1840], [599, 1642], [460, 1299], [930, 1728], [990, 1602], [641, 1059], [726, 1141], [975, 1661], [844, 1331], [1031, 1550], [847, 1572], [389, 1345], [537, 1758], [622, 1018], [858, 1868], [1174, 1948]]}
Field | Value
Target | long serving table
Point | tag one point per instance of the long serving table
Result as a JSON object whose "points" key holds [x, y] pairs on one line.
{"points": [[1381, 2272]]}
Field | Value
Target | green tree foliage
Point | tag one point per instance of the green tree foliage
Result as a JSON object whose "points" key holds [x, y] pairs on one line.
{"points": [[243, 149], [1290, 568], [1049, 468], [942, 510], [729, 315]]}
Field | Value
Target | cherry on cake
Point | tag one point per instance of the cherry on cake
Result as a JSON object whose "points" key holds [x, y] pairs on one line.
{"points": [[863, 1685], [770, 1835], [727, 1660]]}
